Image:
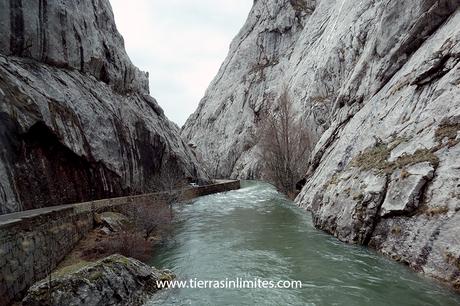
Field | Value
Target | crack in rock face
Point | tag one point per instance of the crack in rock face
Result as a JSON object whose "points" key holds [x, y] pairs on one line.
{"points": [[334, 57], [377, 85], [405, 188], [408, 132]]}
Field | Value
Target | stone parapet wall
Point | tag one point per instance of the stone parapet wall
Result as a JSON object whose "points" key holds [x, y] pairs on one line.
{"points": [[32, 243]]}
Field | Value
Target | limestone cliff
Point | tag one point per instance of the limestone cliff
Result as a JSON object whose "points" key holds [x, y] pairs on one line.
{"points": [[378, 83], [76, 119], [223, 128]]}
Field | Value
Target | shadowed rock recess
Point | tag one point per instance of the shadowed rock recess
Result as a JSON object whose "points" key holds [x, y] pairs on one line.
{"points": [[378, 84], [76, 119]]}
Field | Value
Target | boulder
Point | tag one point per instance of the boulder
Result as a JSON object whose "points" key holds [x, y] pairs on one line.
{"points": [[113, 221], [405, 189], [114, 280]]}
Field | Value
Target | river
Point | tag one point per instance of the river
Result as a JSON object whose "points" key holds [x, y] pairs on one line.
{"points": [[255, 232]]}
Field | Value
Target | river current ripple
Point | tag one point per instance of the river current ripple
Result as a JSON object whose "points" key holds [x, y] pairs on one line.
{"points": [[255, 232]]}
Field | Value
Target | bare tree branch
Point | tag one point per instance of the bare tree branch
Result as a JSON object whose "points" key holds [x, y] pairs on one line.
{"points": [[286, 145]]}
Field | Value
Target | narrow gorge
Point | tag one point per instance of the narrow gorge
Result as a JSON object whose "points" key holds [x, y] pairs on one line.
{"points": [[97, 185], [377, 85]]}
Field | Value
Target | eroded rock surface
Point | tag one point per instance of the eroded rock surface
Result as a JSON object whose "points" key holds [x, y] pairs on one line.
{"points": [[405, 189], [378, 85], [76, 119], [115, 280], [407, 134], [330, 54], [111, 221]]}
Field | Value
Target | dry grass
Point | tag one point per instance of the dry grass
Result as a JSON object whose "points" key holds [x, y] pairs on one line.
{"points": [[422, 155], [449, 131], [435, 211], [301, 6], [150, 224], [76, 257], [97, 245], [373, 159], [320, 99], [127, 243], [376, 159]]}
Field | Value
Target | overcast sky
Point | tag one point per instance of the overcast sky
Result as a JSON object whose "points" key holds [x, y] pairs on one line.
{"points": [[181, 43]]}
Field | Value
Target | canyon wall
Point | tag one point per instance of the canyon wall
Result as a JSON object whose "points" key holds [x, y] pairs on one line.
{"points": [[76, 119], [377, 84]]}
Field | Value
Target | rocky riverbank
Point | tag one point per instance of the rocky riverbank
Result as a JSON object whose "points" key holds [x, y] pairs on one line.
{"points": [[114, 280], [105, 267], [376, 84]]}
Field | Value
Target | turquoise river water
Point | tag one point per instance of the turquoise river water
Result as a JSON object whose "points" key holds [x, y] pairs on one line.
{"points": [[255, 232]]}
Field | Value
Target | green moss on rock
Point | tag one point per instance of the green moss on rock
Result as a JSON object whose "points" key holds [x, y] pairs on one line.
{"points": [[70, 269], [115, 280]]}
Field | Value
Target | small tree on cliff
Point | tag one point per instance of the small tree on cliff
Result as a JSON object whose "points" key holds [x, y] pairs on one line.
{"points": [[286, 146]]}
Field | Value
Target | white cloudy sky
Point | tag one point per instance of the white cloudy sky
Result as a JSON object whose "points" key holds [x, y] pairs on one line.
{"points": [[181, 43]]}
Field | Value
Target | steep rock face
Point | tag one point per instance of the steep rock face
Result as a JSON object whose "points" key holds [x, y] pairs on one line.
{"points": [[378, 83], [224, 127], [386, 173], [328, 53], [79, 35], [76, 120]]}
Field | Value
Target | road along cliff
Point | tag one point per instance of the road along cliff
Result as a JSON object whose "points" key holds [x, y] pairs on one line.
{"points": [[76, 119]]}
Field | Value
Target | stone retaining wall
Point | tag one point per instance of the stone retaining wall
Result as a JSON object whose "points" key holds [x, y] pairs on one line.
{"points": [[32, 243]]}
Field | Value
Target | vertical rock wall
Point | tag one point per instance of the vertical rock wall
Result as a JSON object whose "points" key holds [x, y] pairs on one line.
{"points": [[377, 83], [77, 122]]}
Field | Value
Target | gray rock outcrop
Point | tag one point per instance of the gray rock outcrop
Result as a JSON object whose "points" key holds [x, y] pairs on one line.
{"points": [[111, 221], [76, 119], [115, 280], [378, 85], [330, 55], [224, 127], [406, 137]]}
